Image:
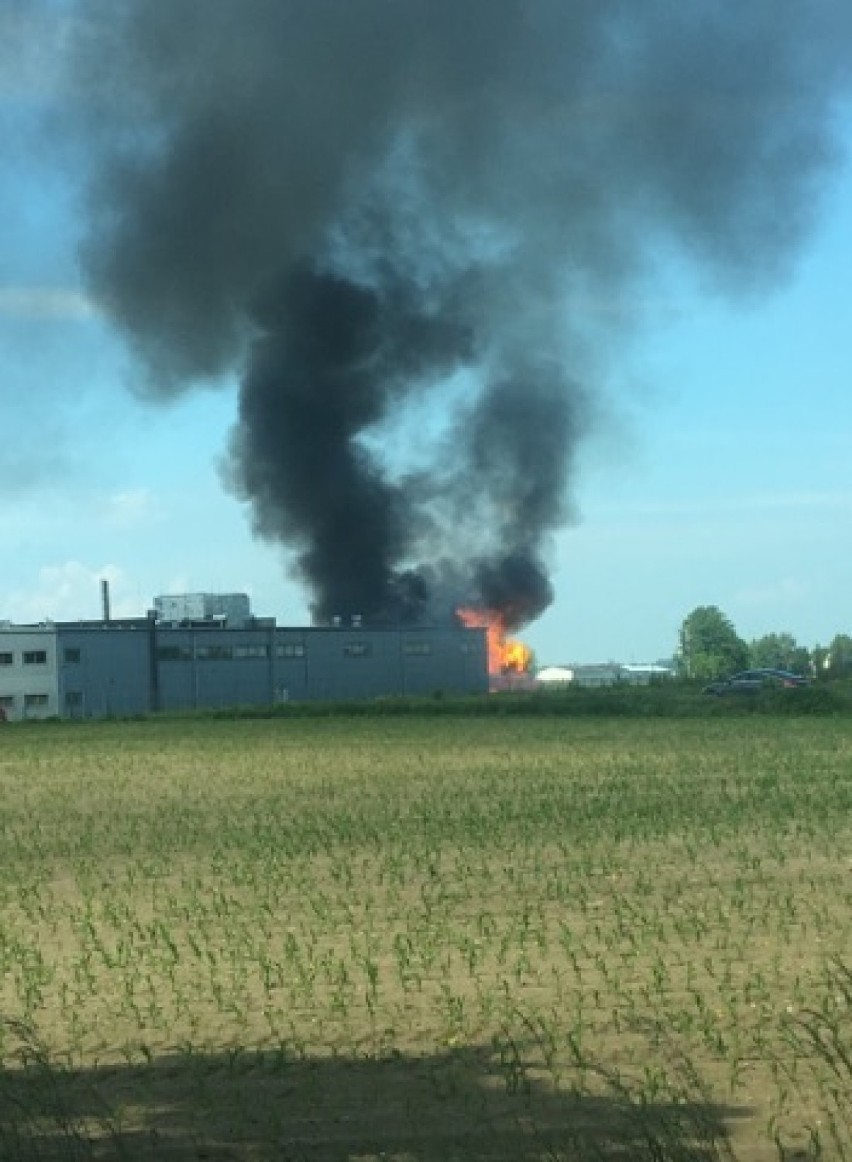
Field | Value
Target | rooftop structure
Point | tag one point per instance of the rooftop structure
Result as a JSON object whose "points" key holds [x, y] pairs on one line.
{"points": [[231, 608]]}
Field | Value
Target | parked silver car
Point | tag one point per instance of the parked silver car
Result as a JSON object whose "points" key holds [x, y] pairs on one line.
{"points": [[753, 681]]}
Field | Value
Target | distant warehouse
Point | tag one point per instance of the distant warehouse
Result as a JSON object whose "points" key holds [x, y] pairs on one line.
{"points": [[200, 651], [603, 674]]}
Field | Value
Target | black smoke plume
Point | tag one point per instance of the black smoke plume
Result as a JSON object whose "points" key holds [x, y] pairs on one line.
{"points": [[394, 215]]}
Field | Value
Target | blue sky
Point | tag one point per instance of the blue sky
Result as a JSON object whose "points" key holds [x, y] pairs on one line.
{"points": [[721, 475]]}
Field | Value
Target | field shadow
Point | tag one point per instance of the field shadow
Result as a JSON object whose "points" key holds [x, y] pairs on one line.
{"points": [[472, 1104]]}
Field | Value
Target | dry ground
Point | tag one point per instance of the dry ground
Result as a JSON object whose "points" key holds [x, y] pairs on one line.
{"points": [[426, 939]]}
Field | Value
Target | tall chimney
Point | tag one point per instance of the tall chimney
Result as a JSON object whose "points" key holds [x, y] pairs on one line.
{"points": [[105, 599]]}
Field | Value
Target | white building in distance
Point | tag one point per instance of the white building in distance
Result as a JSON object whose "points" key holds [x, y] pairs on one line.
{"points": [[602, 674]]}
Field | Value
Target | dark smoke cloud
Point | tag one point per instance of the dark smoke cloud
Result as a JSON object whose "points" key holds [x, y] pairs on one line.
{"points": [[366, 203], [332, 356]]}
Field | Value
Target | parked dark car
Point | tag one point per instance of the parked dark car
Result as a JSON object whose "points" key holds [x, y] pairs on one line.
{"points": [[753, 681]]}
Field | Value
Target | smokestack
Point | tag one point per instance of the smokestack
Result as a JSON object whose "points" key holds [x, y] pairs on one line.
{"points": [[412, 226], [105, 610]]}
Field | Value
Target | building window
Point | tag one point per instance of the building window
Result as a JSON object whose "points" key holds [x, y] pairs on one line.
{"points": [[247, 651], [214, 653], [290, 650], [35, 700], [72, 655], [357, 649], [6, 659], [35, 657], [7, 701], [174, 654], [417, 649], [73, 699]]}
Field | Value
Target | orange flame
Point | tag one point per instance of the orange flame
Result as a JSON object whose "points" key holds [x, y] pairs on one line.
{"points": [[505, 655]]}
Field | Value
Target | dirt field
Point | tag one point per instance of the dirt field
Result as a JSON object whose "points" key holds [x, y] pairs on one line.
{"points": [[427, 939]]}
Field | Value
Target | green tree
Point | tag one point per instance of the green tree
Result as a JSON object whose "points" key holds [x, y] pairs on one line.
{"points": [[778, 651], [709, 646], [840, 656], [820, 661]]}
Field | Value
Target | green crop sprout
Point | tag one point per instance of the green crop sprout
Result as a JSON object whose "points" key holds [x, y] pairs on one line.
{"points": [[573, 936]]}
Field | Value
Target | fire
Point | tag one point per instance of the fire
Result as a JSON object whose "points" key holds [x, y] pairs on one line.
{"points": [[505, 655]]}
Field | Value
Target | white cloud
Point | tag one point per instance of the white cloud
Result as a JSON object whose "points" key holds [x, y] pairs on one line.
{"points": [[69, 592]]}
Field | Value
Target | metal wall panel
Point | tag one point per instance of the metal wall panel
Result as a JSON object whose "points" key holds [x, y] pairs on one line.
{"points": [[200, 668], [352, 663], [104, 669], [135, 666], [226, 667]]}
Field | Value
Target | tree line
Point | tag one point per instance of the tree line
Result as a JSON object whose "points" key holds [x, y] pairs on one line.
{"points": [[709, 647]]}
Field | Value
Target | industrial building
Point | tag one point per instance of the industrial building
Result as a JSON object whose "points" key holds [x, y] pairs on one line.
{"points": [[205, 651]]}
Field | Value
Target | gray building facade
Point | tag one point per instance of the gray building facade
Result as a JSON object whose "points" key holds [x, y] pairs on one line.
{"points": [[28, 671], [135, 666], [201, 666], [105, 668]]}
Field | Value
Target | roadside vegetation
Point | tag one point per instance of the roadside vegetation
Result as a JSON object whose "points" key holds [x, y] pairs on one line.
{"points": [[667, 698], [543, 934], [709, 647]]}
